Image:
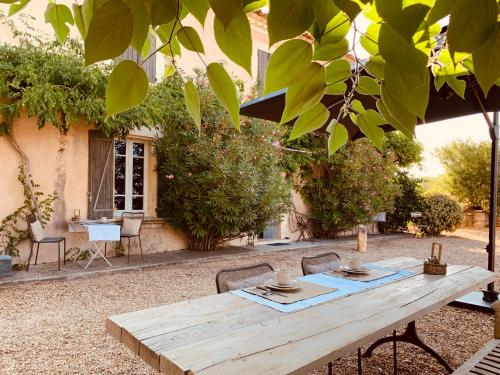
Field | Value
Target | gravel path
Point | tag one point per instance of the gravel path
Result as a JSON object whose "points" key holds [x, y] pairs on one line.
{"points": [[59, 327]]}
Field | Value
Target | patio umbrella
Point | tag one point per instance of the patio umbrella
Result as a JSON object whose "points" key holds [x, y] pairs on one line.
{"points": [[443, 104]]}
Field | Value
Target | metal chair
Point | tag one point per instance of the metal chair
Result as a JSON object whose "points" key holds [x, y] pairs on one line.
{"points": [[312, 260], [303, 223], [30, 219], [241, 273], [418, 227], [135, 232]]}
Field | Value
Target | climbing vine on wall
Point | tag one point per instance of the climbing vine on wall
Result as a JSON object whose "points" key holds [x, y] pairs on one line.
{"points": [[14, 227]]}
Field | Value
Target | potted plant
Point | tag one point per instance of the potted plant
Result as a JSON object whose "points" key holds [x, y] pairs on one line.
{"points": [[5, 264]]}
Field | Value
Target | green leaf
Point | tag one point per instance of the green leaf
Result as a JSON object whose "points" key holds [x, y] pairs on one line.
{"points": [[440, 10], [338, 136], [336, 29], [287, 64], [487, 61], [368, 122], [369, 40], [410, 92], [79, 20], [164, 11], [236, 40], [127, 87], [58, 15], [17, 6], [329, 52], [225, 90], [192, 101], [172, 49], [338, 88], [368, 86], [251, 5], [166, 31], [226, 10], [399, 117], [404, 21], [325, 11], [447, 72], [310, 121], [471, 23], [288, 18], [169, 71], [376, 66], [337, 71], [110, 32], [305, 94], [350, 7], [141, 24], [146, 47], [190, 39], [397, 51], [198, 8]]}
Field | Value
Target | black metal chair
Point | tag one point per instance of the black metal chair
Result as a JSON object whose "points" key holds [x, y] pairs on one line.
{"points": [[31, 219], [238, 274], [131, 227], [316, 260]]}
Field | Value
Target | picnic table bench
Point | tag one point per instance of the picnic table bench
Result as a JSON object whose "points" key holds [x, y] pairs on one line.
{"points": [[228, 334]]}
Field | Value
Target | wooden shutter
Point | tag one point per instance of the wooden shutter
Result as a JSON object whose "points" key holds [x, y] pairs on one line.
{"points": [[149, 66], [263, 61], [101, 175]]}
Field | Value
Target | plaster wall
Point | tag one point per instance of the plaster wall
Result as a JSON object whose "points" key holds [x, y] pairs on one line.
{"points": [[60, 164]]}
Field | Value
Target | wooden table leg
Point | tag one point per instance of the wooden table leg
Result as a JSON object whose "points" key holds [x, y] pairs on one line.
{"points": [[410, 336]]}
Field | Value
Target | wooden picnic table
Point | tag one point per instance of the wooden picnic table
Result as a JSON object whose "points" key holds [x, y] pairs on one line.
{"points": [[228, 334]]}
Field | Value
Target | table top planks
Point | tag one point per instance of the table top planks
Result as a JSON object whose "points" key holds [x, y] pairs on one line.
{"points": [[225, 333]]}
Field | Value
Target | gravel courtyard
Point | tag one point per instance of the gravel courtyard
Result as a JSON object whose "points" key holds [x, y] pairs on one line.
{"points": [[58, 327]]}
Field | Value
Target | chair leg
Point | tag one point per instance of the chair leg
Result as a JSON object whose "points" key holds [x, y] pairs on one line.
{"points": [[29, 259], [105, 248], [59, 256], [140, 246], [330, 368], [394, 354], [37, 248], [64, 249], [128, 252], [360, 363]]}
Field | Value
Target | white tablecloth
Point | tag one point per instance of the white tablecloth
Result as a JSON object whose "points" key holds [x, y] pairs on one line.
{"points": [[103, 232]]}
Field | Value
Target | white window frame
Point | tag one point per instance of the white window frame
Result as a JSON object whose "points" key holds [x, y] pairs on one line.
{"points": [[129, 156]]}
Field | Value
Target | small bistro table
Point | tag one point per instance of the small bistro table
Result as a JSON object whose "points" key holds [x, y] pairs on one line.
{"points": [[98, 233], [228, 334]]}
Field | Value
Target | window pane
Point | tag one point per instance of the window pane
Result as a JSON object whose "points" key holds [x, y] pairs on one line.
{"points": [[120, 147], [120, 203], [120, 174], [138, 149], [137, 203], [138, 176]]}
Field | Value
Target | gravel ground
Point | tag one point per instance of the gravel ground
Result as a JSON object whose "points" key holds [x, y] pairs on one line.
{"points": [[59, 327]]}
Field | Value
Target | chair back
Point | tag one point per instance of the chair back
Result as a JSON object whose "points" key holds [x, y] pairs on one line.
{"points": [[229, 278], [320, 263], [132, 223], [34, 228]]}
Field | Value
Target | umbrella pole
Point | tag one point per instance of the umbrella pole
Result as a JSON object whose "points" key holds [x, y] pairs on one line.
{"points": [[490, 294]]}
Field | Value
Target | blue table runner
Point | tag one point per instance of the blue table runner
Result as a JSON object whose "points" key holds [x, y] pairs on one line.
{"points": [[345, 287]]}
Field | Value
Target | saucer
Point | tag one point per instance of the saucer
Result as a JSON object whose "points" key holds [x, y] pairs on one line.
{"points": [[290, 287], [362, 270]]}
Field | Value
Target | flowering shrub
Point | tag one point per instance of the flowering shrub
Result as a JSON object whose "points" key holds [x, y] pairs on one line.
{"points": [[439, 213], [218, 185], [348, 188]]}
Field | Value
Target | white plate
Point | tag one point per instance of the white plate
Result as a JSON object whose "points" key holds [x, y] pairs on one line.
{"points": [[362, 270], [293, 286]]}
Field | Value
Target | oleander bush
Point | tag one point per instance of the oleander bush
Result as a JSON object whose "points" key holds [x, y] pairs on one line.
{"points": [[440, 213], [216, 185], [350, 187]]}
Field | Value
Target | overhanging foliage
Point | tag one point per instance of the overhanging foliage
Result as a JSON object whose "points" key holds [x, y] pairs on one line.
{"points": [[403, 39]]}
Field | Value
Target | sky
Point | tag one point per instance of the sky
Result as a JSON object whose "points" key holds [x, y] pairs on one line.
{"points": [[437, 134]]}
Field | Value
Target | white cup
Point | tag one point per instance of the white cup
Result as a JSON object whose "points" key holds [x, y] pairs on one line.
{"points": [[355, 262], [104, 219], [283, 277]]}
